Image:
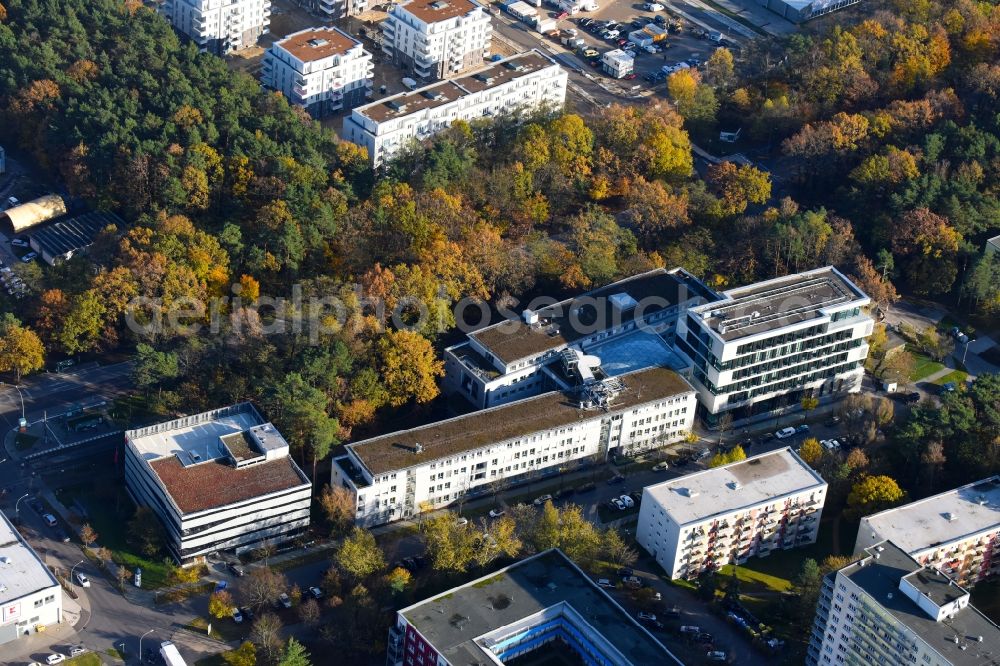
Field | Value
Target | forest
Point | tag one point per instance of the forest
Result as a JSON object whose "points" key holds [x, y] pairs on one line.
{"points": [[883, 125]]}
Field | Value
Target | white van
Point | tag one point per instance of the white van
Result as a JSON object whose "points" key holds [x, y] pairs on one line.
{"points": [[410, 83]]}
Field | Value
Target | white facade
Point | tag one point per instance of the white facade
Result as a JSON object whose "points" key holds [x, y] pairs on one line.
{"points": [[30, 596], [957, 531], [437, 39], [803, 334], [617, 63], [221, 480], [887, 609], [526, 81], [219, 26], [323, 69], [398, 475], [702, 521]]}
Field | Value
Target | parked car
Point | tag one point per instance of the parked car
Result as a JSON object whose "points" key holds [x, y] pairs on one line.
{"points": [[785, 433], [690, 629], [247, 613], [948, 388], [633, 582], [315, 592], [627, 501], [63, 536], [652, 7], [81, 579], [660, 19], [832, 421], [237, 616], [496, 513], [626, 571], [617, 478], [19, 242], [28, 258], [49, 519], [660, 467], [802, 429], [716, 655], [284, 601], [830, 444], [629, 77], [911, 398], [643, 615], [55, 658], [673, 611], [76, 650], [539, 501], [236, 570], [704, 637], [462, 521], [12, 201], [604, 582], [618, 504]]}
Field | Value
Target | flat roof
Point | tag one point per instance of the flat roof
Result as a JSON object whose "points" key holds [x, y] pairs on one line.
{"points": [[22, 572], [941, 519], [444, 92], [880, 577], [774, 304], [432, 11], [191, 457], [453, 620], [317, 43], [513, 340], [74, 233], [497, 424], [740, 485]]}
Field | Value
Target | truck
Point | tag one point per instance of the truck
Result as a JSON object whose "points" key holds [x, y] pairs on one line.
{"points": [[170, 655]]}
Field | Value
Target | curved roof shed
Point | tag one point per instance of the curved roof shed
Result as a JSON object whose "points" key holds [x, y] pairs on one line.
{"points": [[20, 218]]}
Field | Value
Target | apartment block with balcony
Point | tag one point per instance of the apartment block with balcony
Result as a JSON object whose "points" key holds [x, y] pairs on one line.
{"points": [[625, 325], [525, 81], [703, 521], [886, 608], [437, 39], [220, 480], [219, 26], [323, 69], [957, 531], [769, 344], [401, 474]]}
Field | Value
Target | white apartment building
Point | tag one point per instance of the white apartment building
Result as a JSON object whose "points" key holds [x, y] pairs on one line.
{"points": [[398, 475], [30, 596], [625, 325], [219, 26], [437, 39], [888, 609], [323, 69], [220, 480], [770, 344], [525, 81], [702, 521], [957, 532]]}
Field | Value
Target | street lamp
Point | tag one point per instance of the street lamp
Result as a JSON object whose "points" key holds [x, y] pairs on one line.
{"points": [[21, 395], [140, 642], [17, 506], [966, 352], [74, 568]]}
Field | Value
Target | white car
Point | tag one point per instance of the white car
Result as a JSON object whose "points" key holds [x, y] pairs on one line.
{"points": [[462, 521], [28, 258], [12, 201], [55, 658], [496, 513], [315, 592], [49, 519], [542, 500], [284, 600], [604, 582], [716, 655], [81, 579], [830, 444], [649, 48], [660, 467], [627, 501], [620, 505], [647, 616], [237, 616], [785, 433], [653, 7]]}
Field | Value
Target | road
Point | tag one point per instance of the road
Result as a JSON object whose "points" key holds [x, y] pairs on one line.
{"points": [[52, 393]]}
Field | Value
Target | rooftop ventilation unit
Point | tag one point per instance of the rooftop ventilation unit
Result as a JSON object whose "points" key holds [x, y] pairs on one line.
{"points": [[395, 105], [418, 448], [433, 94], [513, 66], [317, 42], [484, 78], [950, 517], [735, 485], [4, 560], [439, 4], [530, 317]]}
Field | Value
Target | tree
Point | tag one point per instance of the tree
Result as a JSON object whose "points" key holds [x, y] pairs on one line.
{"points": [[408, 367], [809, 403], [145, 531], [735, 454], [929, 247], [451, 545], [151, 367], [265, 633], [875, 283], [707, 584], [739, 185], [244, 655], [295, 654], [122, 575], [874, 493], [359, 555], [81, 330], [21, 350], [221, 604], [398, 579], [857, 461], [339, 507], [807, 584], [811, 451], [309, 612], [616, 549], [720, 67], [261, 586], [88, 535]]}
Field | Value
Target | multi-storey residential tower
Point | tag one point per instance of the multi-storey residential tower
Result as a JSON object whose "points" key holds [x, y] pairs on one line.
{"points": [[521, 82], [702, 521], [888, 609], [437, 39], [219, 26], [769, 344], [323, 69], [398, 475], [957, 531]]}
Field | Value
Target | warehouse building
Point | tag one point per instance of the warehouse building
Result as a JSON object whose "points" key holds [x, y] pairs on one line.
{"points": [[798, 11], [219, 481], [23, 217], [60, 241], [30, 596]]}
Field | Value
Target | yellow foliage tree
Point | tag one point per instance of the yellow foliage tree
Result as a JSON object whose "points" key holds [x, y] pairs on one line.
{"points": [[408, 367]]}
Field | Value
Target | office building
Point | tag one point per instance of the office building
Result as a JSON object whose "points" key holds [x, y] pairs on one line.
{"points": [[30, 596], [957, 532], [702, 521], [543, 605], [219, 481], [219, 26], [798, 11], [437, 39], [323, 69], [626, 325], [398, 475], [522, 82], [770, 344], [888, 609]]}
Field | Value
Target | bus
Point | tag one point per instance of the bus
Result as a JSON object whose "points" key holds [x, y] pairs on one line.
{"points": [[171, 657]]}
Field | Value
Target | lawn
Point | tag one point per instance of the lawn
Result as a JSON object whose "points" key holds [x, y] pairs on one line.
{"points": [[751, 577], [923, 365], [109, 516], [222, 630], [89, 659], [957, 376]]}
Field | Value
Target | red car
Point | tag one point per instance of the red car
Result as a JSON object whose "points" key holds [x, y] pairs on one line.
{"points": [[562, 16], [629, 77], [622, 42]]}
